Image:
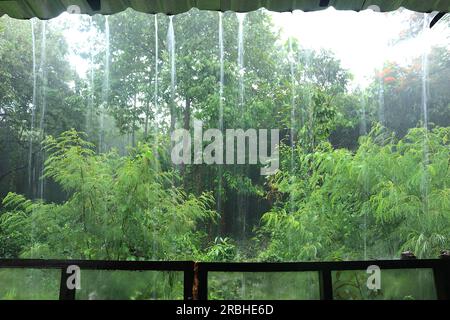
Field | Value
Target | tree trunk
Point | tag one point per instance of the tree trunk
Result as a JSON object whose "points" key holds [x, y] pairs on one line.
{"points": [[186, 126], [147, 116], [133, 141], [172, 117], [187, 114]]}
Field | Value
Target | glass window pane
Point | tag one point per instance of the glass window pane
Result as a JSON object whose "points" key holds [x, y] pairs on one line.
{"points": [[29, 284], [130, 285], [263, 286], [409, 284]]}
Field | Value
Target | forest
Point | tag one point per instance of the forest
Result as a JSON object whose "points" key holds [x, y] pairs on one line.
{"points": [[87, 108]]}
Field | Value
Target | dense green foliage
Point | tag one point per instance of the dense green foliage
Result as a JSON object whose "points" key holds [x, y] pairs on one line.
{"points": [[85, 168], [372, 203], [120, 208]]}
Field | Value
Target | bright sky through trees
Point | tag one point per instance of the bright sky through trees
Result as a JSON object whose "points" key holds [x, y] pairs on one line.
{"points": [[361, 40]]}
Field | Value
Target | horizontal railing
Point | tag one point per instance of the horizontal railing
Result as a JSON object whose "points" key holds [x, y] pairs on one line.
{"points": [[195, 280]]}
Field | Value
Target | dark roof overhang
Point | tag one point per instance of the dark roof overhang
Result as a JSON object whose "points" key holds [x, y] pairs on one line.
{"points": [[46, 9]]}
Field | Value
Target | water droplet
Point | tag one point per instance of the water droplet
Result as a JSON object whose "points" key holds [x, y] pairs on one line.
{"points": [[73, 9]]}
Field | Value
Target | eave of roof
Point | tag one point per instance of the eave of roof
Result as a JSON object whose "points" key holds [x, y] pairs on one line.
{"points": [[46, 9]]}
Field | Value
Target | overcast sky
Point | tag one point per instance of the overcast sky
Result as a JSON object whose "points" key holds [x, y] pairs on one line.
{"points": [[359, 39]]}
